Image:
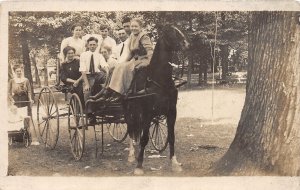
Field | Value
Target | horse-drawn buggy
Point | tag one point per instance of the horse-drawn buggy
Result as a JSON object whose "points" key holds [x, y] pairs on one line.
{"points": [[148, 110]]}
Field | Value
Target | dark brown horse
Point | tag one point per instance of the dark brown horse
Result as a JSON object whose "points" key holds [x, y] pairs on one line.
{"points": [[140, 112]]}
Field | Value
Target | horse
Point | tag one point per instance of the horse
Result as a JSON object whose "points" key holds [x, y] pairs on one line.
{"points": [[139, 112]]}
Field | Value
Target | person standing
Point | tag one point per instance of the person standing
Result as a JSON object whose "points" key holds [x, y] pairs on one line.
{"points": [[74, 41], [107, 40], [94, 69], [122, 49], [126, 25], [94, 33], [20, 95]]}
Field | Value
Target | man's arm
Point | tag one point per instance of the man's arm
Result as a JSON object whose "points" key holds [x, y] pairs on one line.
{"points": [[83, 70]]}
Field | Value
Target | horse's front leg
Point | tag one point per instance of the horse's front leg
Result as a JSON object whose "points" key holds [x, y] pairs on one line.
{"points": [[171, 119], [131, 155], [143, 142]]}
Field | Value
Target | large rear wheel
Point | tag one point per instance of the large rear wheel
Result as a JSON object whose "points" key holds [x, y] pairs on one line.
{"points": [[48, 118]]}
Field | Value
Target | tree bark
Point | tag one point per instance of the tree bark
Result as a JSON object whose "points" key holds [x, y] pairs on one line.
{"points": [[200, 72], [36, 72], [189, 72], [224, 60], [26, 58], [267, 139]]}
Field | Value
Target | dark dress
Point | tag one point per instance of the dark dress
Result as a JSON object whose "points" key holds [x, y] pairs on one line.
{"points": [[20, 92], [71, 70]]}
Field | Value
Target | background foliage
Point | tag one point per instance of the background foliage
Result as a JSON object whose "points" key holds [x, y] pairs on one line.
{"points": [[35, 37]]}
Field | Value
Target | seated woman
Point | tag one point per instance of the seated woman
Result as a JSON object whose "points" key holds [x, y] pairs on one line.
{"points": [[141, 50], [69, 72], [106, 51]]}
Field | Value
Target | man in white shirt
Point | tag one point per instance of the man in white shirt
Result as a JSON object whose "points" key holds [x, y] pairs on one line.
{"points": [[122, 49], [93, 68], [107, 40]]}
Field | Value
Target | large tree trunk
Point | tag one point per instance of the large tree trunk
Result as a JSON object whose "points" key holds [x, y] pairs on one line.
{"points": [[26, 58], [267, 140]]}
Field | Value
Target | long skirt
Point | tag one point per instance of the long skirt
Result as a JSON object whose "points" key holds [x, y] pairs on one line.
{"points": [[123, 74]]}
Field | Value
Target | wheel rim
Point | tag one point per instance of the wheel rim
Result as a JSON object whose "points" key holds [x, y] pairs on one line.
{"points": [[48, 118], [158, 133], [76, 127], [26, 139], [118, 131]]}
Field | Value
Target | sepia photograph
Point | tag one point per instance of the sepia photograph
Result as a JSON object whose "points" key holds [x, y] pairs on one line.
{"points": [[166, 93]]}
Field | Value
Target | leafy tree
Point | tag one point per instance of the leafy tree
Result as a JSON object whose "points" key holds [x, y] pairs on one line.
{"points": [[267, 138]]}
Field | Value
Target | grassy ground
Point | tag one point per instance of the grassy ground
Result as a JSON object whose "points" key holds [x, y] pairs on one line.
{"points": [[202, 137]]}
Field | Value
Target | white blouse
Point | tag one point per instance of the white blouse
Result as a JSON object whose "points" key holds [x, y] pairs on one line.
{"points": [[78, 44]]}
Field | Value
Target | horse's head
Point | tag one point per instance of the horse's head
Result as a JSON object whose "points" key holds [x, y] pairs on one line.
{"points": [[174, 38]]}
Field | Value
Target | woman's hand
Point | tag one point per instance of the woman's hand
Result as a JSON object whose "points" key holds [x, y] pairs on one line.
{"points": [[76, 83], [87, 87], [141, 65]]}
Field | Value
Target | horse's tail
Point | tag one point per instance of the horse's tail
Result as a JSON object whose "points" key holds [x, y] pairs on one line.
{"points": [[133, 116]]}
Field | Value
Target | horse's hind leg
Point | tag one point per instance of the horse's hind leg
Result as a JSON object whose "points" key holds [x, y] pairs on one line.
{"points": [[143, 142]]}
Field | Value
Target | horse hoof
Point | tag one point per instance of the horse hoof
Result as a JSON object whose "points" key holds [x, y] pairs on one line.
{"points": [[138, 171], [131, 159], [176, 168]]}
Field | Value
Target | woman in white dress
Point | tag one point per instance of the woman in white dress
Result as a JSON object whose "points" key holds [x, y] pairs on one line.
{"points": [[74, 41], [140, 53]]}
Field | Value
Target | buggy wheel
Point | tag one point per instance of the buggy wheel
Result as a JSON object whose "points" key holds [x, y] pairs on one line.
{"points": [[48, 118], [76, 127], [27, 138], [158, 133], [118, 131]]}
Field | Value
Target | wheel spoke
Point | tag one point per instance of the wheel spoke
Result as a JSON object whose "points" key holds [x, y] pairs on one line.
{"points": [[117, 129], [162, 138], [44, 127], [73, 136], [153, 127], [51, 106], [43, 105], [41, 122]]}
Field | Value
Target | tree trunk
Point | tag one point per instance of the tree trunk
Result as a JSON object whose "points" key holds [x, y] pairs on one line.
{"points": [[189, 74], [46, 83], [36, 72], [267, 140], [200, 73], [26, 58], [224, 60]]}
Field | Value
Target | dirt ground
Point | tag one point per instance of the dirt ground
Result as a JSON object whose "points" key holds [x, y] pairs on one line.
{"points": [[202, 137]]}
